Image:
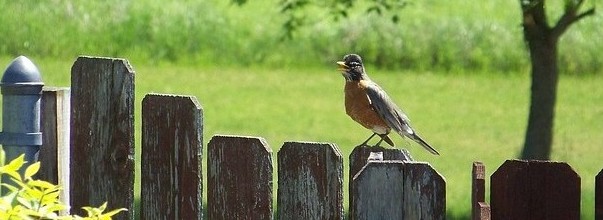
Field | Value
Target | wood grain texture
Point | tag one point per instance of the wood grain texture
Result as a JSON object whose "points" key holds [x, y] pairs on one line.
{"points": [[478, 192], [360, 156], [535, 190], [54, 152], [239, 178], [398, 190], [424, 192], [171, 182], [102, 134], [310, 181], [378, 191]]}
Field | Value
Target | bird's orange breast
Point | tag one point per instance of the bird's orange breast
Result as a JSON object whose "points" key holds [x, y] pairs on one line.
{"points": [[358, 107]]}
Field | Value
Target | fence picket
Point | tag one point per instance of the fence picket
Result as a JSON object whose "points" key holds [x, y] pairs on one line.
{"points": [[535, 190], [102, 134], [310, 181], [407, 190], [239, 178], [171, 182], [424, 192], [384, 202], [360, 156], [54, 152], [480, 209], [599, 196]]}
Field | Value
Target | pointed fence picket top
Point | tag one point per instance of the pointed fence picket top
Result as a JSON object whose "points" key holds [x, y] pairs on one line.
{"points": [[407, 190], [599, 196], [360, 157], [535, 190], [480, 209], [310, 181], [102, 134], [171, 182], [239, 178]]}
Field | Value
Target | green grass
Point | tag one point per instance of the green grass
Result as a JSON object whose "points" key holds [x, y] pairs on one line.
{"points": [[470, 116], [446, 35]]}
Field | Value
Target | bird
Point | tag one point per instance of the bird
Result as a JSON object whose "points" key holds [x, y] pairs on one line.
{"points": [[369, 105]]}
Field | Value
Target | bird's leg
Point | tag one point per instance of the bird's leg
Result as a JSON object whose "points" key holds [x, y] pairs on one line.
{"points": [[379, 142], [364, 143]]}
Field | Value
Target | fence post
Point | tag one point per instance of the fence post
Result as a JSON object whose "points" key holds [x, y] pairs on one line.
{"points": [[361, 155], [535, 190], [424, 192], [398, 190], [310, 181], [480, 209], [102, 134], [239, 178], [172, 128], [54, 153], [378, 191], [21, 94], [599, 196]]}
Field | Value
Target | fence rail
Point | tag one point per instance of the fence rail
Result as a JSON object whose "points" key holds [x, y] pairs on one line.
{"points": [[93, 122]]}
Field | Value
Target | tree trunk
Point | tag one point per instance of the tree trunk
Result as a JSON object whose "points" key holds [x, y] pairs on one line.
{"points": [[539, 134], [542, 42]]}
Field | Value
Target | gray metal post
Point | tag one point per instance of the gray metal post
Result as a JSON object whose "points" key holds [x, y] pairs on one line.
{"points": [[21, 87]]}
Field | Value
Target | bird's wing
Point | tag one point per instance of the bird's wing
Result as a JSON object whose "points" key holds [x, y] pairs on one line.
{"points": [[387, 109]]}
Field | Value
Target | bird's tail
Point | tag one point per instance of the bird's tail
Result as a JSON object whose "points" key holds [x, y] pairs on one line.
{"points": [[418, 139]]}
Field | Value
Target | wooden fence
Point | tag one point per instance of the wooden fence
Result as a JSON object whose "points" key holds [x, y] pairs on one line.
{"points": [[94, 130]]}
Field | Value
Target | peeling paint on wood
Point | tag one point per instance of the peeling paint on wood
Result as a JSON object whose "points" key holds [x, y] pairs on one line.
{"points": [[102, 134], [424, 192], [535, 190], [239, 178], [171, 157], [406, 190], [360, 156], [310, 182], [384, 201]]}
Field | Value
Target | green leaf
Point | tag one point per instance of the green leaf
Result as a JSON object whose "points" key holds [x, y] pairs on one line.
{"points": [[15, 164], [32, 170]]}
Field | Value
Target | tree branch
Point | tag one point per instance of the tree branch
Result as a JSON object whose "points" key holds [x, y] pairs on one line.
{"points": [[569, 18]]}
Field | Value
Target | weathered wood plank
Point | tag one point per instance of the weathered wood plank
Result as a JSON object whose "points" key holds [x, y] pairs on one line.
{"points": [[398, 190], [239, 178], [102, 134], [478, 191], [484, 212], [310, 181], [535, 190], [54, 152], [424, 192], [361, 155], [599, 196], [378, 191], [171, 182]]}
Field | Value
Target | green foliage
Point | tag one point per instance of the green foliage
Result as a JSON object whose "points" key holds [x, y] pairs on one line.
{"points": [[427, 35], [28, 198]]}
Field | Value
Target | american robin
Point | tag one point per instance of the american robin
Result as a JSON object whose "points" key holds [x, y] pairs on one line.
{"points": [[370, 106]]}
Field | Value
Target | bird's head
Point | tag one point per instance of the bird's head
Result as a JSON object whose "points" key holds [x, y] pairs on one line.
{"points": [[351, 67]]}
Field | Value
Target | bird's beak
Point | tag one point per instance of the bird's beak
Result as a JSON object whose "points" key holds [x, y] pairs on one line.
{"points": [[342, 66]]}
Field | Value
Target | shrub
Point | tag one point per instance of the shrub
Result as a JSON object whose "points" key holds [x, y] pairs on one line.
{"points": [[29, 198]]}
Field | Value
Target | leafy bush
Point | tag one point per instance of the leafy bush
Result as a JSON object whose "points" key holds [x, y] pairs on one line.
{"points": [[28, 198]]}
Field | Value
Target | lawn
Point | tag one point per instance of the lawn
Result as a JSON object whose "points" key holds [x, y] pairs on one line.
{"points": [[468, 116]]}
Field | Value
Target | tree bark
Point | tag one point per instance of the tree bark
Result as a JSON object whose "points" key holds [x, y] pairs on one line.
{"points": [[542, 42], [539, 134]]}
